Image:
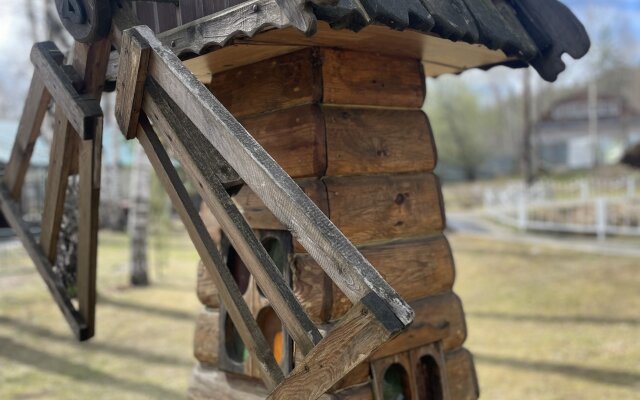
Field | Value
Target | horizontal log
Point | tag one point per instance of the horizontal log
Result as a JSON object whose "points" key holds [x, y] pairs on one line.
{"points": [[287, 81], [371, 79], [208, 383], [206, 336], [437, 318], [294, 137], [328, 76], [415, 268], [359, 375], [461, 374], [386, 207], [206, 288], [362, 141], [82, 110]]}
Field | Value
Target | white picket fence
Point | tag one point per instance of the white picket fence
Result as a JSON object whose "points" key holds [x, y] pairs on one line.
{"points": [[586, 206]]}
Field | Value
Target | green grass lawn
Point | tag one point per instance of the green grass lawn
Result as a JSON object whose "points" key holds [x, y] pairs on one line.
{"points": [[543, 324], [142, 348], [550, 324]]}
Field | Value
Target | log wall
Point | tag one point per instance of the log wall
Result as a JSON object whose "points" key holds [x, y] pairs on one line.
{"points": [[349, 127]]}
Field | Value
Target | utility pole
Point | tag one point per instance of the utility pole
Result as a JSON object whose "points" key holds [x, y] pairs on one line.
{"points": [[527, 161]]}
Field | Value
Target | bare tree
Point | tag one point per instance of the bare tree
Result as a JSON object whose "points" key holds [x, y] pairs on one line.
{"points": [[139, 218]]}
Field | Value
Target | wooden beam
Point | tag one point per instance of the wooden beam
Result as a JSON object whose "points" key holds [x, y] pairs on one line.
{"points": [[90, 61], [33, 113], [63, 146], [357, 336], [12, 213], [336, 255], [193, 151], [227, 287], [132, 72], [82, 110]]}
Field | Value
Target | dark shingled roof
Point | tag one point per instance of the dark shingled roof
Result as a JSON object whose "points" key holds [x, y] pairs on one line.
{"points": [[535, 32]]}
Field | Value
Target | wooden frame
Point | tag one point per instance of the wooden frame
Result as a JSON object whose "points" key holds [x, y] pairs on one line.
{"points": [[76, 146]]}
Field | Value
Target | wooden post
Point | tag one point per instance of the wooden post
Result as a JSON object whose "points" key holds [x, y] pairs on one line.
{"points": [[349, 128]]}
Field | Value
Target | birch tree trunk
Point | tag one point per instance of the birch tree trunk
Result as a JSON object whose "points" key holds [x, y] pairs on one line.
{"points": [[139, 218]]}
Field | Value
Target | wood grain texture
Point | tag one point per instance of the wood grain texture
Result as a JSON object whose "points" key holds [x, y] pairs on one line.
{"points": [[430, 378], [132, 72], [427, 269], [374, 141], [63, 145], [294, 137], [260, 217], [358, 376], [230, 295], [192, 150], [206, 288], [82, 110], [208, 383], [11, 211], [33, 113], [355, 78], [337, 256], [461, 374], [286, 81], [358, 335], [90, 62], [205, 338], [437, 318], [360, 392], [386, 207]]}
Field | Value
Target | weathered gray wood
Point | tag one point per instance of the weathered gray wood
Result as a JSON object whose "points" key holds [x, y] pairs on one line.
{"points": [[335, 254], [245, 19], [191, 148], [38, 99], [12, 213], [132, 72], [81, 110], [356, 337], [228, 289]]}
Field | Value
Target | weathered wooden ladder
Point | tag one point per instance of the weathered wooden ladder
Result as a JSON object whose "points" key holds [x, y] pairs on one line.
{"points": [[160, 103]]}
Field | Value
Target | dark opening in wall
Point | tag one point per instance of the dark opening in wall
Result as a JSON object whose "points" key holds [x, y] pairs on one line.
{"points": [[238, 270], [236, 350], [430, 379], [278, 253], [395, 384]]}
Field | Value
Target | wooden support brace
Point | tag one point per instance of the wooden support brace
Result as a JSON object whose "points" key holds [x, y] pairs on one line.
{"points": [[192, 150], [336, 255], [229, 293], [82, 110], [132, 72], [33, 114], [12, 213]]}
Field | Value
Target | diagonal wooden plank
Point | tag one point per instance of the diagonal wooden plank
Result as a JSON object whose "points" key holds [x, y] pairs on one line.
{"points": [[229, 292], [12, 213], [357, 336], [193, 151], [353, 274], [63, 145], [81, 110], [33, 114]]}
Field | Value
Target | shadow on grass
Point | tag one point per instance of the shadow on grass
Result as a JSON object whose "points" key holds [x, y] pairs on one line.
{"points": [[554, 319], [122, 351], [600, 375], [16, 352], [162, 312]]}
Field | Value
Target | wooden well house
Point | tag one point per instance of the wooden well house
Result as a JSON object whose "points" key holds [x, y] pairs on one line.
{"points": [[334, 92]]}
